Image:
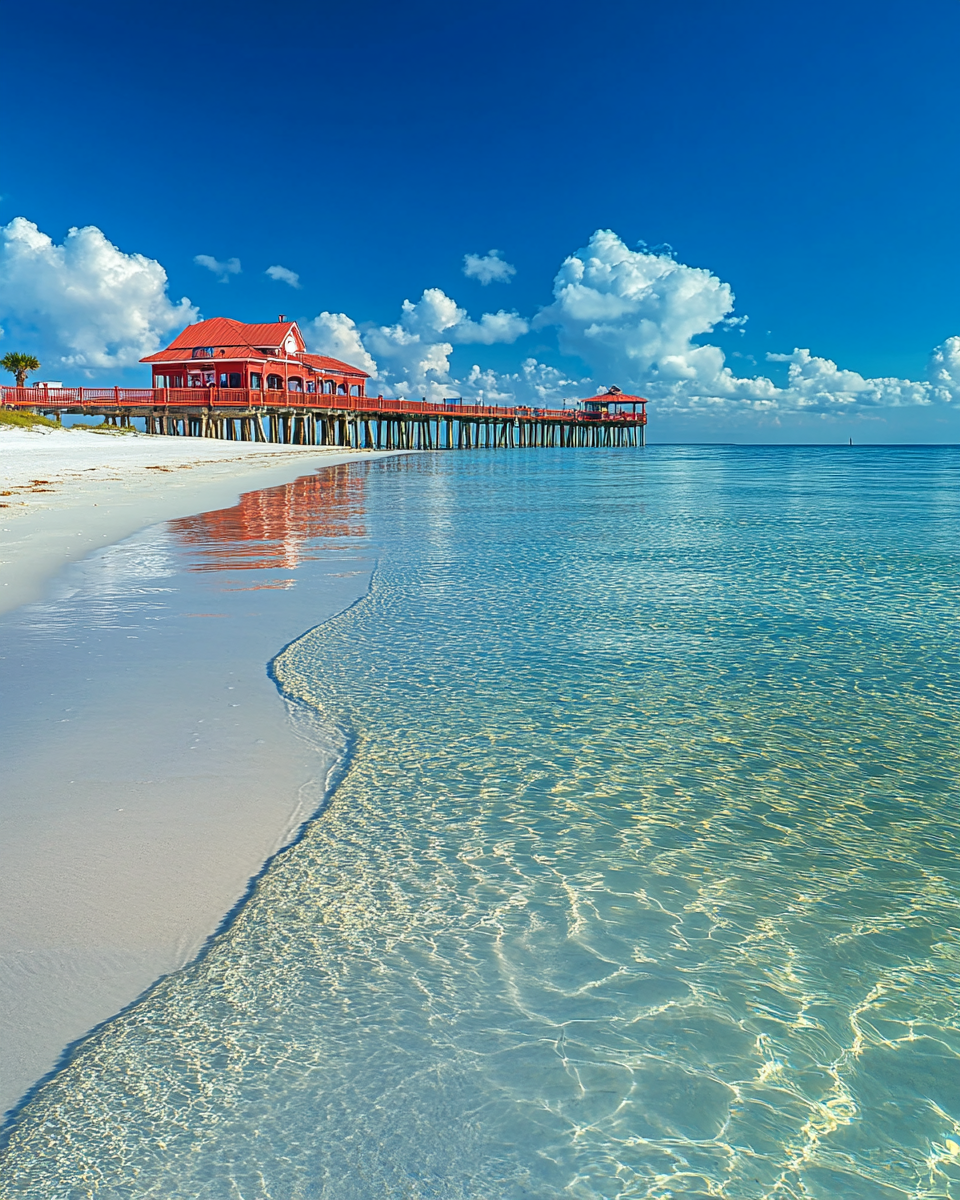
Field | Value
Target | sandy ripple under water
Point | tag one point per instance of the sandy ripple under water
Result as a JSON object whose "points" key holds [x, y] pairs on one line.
{"points": [[642, 882]]}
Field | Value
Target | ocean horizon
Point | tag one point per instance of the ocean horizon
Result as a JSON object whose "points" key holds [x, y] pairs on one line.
{"points": [[631, 868]]}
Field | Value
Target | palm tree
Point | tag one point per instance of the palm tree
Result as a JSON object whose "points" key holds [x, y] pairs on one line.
{"points": [[19, 365]]}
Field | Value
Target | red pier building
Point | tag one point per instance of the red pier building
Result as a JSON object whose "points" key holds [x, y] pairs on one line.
{"points": [[258, 383], [271, 357]]}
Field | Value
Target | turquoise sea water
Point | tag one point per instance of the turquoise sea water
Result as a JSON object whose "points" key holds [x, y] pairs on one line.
{"points": [[642, 880]]}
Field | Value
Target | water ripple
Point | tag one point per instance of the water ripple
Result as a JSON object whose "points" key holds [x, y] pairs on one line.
{"points": [[643, 881]]}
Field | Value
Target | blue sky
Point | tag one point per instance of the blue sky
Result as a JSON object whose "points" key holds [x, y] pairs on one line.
{"points": [[803, 158]]}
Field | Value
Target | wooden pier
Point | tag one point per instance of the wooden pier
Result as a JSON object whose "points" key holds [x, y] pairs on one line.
{"points": [[358, 422]]}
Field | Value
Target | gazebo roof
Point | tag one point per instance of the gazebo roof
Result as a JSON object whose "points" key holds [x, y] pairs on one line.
{"points": [[614, 396]]}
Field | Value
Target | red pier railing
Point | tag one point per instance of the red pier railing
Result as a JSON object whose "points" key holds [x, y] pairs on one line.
{"points": [[96, 400]]}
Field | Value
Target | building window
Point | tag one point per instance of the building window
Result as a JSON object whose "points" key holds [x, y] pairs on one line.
{"points": [[354, 390], [235, 379], [223, 379], [328, 386], [311, 386], [341, 389], [275, 383], [256, 380], [295, 383], [203, 352]]}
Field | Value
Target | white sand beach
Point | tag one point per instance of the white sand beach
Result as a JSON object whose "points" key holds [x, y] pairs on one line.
{"points": [[150, 766]]}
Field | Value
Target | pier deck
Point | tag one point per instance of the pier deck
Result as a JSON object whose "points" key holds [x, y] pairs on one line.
{"points": [[317, 419]]}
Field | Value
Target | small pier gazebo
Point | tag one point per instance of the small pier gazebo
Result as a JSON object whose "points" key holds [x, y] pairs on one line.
{"points": [[611, 402]]}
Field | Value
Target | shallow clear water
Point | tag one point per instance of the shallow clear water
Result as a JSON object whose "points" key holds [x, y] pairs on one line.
{"points": [[643, 880], [149, 768]]}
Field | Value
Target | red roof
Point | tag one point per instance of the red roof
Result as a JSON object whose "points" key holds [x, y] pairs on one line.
{"points": [[248, 341], [333, 365], [224, 331], [185, 354], [614, 398]]}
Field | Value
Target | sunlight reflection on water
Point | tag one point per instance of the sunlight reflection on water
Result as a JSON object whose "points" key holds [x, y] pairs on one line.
{"points": [[643, 879]]}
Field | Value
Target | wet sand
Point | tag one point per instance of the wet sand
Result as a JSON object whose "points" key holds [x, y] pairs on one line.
{"points": [[150, 766]]}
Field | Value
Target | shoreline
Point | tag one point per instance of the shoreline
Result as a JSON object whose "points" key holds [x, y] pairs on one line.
{"points": [[67, 492], [154, 766]]}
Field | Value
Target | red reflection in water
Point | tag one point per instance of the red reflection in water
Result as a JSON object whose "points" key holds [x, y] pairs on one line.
{"points": [[279, 527]]}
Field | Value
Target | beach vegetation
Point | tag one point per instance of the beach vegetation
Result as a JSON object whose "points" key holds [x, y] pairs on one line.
{"points": [[19, 365], [24, 420]]}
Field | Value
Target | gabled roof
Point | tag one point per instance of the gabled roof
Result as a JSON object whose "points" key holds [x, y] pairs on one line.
{"points": [[248, 341], [334, 366], [224, 331], [273, 333], [185, 354], [219, 330]]}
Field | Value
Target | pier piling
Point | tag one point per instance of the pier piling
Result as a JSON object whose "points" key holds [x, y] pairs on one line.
{"points": [[357, 422]]}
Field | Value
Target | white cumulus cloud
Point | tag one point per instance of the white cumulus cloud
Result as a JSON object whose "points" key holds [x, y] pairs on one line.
{"points": [[535, 384], [283, 275], [943, 370], [819, 384], [640, 319], [87, 303], [632, 315], [637, 318], [223, 270], [412, 357], [500, 326], [409, 363], [488, 268], [435, 314], [336, 335]]}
